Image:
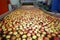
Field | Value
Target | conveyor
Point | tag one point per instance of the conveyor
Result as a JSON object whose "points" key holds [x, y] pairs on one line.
{"points": [[29, 23]]}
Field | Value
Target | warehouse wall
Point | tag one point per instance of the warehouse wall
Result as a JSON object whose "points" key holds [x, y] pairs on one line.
{"points": [[49, 1]]}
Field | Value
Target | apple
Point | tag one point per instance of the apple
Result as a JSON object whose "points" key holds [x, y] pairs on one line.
{"points": [[3, 27], [24, 36], [18, 38], [21, 28], [15, 33], [34, 37], [44, 33], [29, 38], [49, 36], [23, 39], [29, 35], [8, 36], [56, 33], [10, 33], [51, 31], [46, 38], [0, 24], [47, 30], [38, 35], [40, 38], [56, 38], [5, 32], [13, 37], [35, 31], [25, 31], [8, 39], [4, 35], [53, 34], [59, 36], [10, 29], [17, 28], [30, 31]]}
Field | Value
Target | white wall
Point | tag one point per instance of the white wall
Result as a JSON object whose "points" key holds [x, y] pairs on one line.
{"points": [[27, 1], [14, 2], [41, 0]]}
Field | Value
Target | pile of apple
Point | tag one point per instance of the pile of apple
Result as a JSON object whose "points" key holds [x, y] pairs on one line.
{"points": [[34, 24]]}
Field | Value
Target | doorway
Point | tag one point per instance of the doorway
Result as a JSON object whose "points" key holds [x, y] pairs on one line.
{"points": [[27, 2]]}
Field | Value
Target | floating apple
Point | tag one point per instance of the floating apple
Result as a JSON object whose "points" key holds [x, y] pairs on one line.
{"points": [[18, 38], [24, 36], [40, 38], [13, 37], [29, 38], [23, 39], [34, 37], [56, 38], [8, 36]]}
